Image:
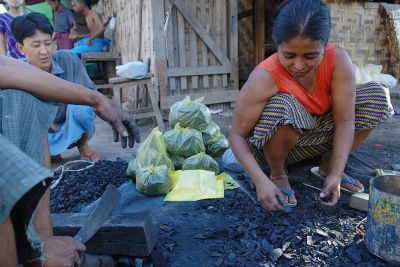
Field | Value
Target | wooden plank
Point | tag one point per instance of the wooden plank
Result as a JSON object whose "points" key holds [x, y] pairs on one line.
{"points": [[259, 31], [131, 234], [226, 95], [193, 48], [182, 49], [154, 105], [171, 72], [245, 14], [213, 27], [117, 95], [100, 56], [204, 52], [201, 31], [170, 41], [160, 57], [223, 36], [117, 80], [233, 38]]}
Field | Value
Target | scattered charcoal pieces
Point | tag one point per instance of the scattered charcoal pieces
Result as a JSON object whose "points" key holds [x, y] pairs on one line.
{"points": [[311, 235], [78, 189]]}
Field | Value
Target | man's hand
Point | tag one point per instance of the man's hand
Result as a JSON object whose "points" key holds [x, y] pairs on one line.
{"points": [[123, 126], [89, 42], [331, 190], [60, 251], [268, 194]]}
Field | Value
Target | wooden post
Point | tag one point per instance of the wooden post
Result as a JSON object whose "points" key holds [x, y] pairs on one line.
{"points": [[234, 44], [259, 30], [157, 8]]}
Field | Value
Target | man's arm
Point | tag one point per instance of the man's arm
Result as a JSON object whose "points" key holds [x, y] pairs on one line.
{"points": [[3, 44], [20, 75]]}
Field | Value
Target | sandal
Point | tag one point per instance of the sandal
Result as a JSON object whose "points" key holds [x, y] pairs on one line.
{"points": [[348, 180], [287, 192]]}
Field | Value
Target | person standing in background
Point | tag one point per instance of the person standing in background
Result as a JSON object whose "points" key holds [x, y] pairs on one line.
{"points": [[7, 41], [63, 20]]}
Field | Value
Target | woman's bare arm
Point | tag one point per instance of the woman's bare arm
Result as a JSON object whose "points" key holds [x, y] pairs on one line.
{"points": [[343, 91], [249, 106]]}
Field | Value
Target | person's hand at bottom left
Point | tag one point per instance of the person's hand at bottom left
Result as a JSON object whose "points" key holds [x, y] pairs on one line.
{"points": [[60, 251]]}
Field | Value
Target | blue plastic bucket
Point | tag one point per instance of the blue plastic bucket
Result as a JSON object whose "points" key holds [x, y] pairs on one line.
{"points": [[383, 224]]}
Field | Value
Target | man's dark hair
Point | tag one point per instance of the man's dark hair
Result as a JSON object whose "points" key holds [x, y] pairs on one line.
{"points": [[26, 26], [88, 3], [305, 18]]}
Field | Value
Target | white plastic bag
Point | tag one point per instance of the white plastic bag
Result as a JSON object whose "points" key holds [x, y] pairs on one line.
{"points": [[132, 70]]}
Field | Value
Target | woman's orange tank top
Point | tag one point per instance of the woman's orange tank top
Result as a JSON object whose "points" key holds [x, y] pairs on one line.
{"points": [[319, 101]]}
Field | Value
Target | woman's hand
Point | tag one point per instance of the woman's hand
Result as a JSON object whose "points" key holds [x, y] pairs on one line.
{"points": [[330, 190], [269, 196]]}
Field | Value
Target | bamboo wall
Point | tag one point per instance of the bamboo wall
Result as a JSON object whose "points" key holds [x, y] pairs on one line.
{"points": [[133, 36], [358, 28]]}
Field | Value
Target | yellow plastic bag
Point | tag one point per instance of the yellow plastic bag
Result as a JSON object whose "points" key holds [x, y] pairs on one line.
{"points": [[229, 182], [153, 151], [193, 185]]}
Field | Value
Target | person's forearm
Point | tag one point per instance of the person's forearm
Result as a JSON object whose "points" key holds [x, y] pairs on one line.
{"points": [[243, 154], [342, 143], [82, 35], [3, 45], [20, 75], [42, 219], [98, 33]]}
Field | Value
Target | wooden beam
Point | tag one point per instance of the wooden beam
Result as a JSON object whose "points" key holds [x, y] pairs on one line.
{"points": [[202, 32], [234, 43], [100, 56], [259, 31], [131, 234], [160, 53], [117, 80], [226, 96], [190, 71], [245, 14]]}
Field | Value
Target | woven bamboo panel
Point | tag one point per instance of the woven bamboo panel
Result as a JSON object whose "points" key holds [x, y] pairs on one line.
{"points": [[133, 32], [361, 32]]}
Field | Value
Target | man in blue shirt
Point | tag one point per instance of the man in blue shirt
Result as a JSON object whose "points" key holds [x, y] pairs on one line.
{"points": [[74, 124], [63, 20]]}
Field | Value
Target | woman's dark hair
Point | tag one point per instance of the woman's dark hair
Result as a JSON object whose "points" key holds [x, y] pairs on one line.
{"points": [[306, 18], [26, 26]]}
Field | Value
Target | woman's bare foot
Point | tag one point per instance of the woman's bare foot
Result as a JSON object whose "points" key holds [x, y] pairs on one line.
{"points": [[356, 187], [85, 152], [282, 181]]}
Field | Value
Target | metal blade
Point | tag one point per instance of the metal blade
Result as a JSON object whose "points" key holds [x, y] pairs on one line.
{"points": [[100, 214]]}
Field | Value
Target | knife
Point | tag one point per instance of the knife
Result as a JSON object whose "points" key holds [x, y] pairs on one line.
{"points": [[100, 214]]}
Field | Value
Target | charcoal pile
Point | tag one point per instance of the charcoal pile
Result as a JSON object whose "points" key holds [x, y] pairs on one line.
{"points": [[309, 235], [78, 189]]}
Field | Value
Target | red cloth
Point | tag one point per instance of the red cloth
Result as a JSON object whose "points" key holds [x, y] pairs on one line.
{"points": [[63, 42], [319, 101]]}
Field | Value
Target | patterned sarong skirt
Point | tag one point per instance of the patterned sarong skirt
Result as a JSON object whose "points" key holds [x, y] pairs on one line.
{"points": [[372, 107]]}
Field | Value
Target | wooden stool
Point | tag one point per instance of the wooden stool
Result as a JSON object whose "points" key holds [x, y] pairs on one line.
{"points": [[108, 62], [119, 83]]}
